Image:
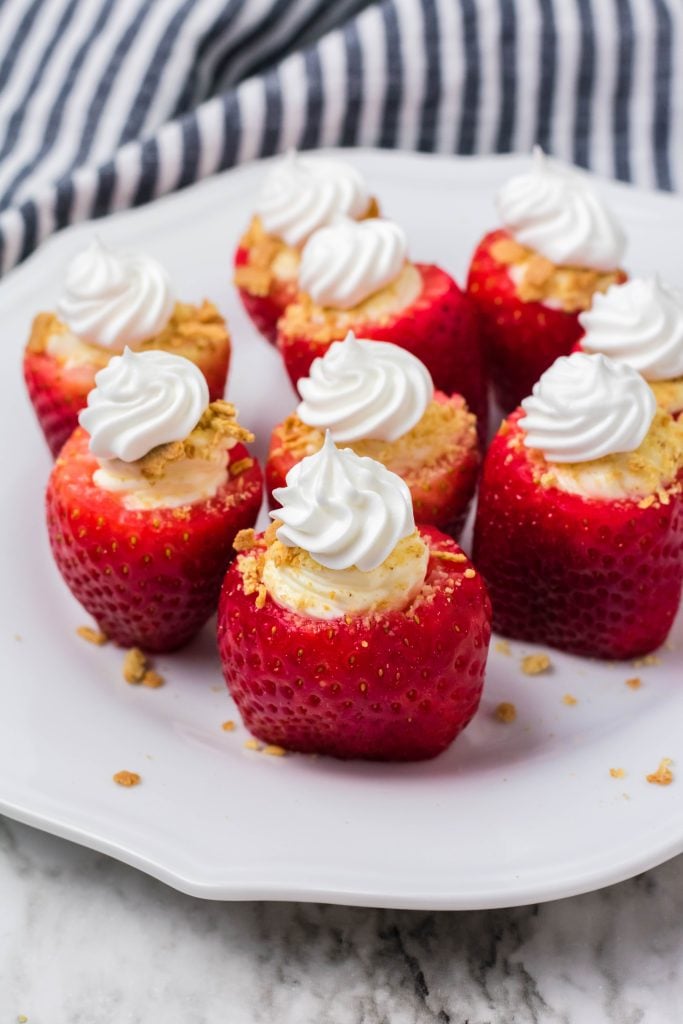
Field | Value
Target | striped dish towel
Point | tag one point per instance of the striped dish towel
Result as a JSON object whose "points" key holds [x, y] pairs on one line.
{"points": [[105, 104]]}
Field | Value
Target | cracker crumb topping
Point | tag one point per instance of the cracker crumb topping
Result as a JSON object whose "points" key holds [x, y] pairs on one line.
{"points": [[572, 287], [217, 424]]}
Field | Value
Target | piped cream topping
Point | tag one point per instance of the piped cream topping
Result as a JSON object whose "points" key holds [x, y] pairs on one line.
{"points": [[365, 389], [586, 407], [639, 323], [142, 400], [113, 299], [345, 263], [553, 210], [343, 510], [303, 193]]}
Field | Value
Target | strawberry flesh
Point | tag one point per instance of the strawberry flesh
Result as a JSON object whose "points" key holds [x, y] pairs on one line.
{"points": [[150, 579], [395, 686], [590, 576]]}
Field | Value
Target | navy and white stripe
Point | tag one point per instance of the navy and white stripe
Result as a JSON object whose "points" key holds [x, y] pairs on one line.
{"points": [[106, 104]]}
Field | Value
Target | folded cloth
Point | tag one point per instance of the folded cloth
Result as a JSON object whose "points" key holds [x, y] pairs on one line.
{"points": [[105, 104]]}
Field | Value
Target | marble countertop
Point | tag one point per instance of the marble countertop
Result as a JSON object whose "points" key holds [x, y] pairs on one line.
{"points": [[86, 940]]}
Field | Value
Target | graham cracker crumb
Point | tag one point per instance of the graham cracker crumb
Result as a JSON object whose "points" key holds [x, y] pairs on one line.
{"points": [[470, 574], [240, 465], [663, 776], [252, 744], [22, 1018], [646, 502], [245, 540], [570, 700], [635, 683], [152, 679], [228, 726], [534, 664], [502, 647], [125, 778], [92, 636], [450, 556], [135, 665], [274, 750], [506, 712], [617, 773]]}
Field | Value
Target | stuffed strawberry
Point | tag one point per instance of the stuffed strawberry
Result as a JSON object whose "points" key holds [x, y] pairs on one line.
{"points": [[355, 276], [579, 530], [146, 498], [559, 246], [379, 400], [641, 323], [300, 195], [112, 299], [344, 630]]}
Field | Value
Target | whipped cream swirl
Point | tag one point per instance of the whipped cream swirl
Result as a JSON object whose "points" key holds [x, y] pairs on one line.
{"points": [[553, 210], [585, 407], [639, 323], [343, 264], [141, 400], [301, 194], [365, 389], [114, 299], [343, 509]]}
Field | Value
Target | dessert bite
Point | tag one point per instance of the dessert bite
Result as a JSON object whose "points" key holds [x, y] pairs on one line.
{"points": [[379, 400], [357, 277], [300, 194], [579, 530], [558, 247], [346, 630], [641, 323], [146, 498], [112, 299]]}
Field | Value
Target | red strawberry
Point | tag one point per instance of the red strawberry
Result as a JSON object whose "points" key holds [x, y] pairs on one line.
{"points": [[264, 302], [59, 392], [397, 686], [440, 328], [594, 577], [520, 339], [150, 578], [441, 488]]}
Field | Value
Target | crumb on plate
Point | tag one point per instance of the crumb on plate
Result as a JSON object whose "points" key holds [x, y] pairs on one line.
{"points": [[617, 773], [228, 726], [135, 665], [634, 683], [152, 679], [502, 647], [663, 776], [570, 700], [505, 712], [274, 750], [126, 778], [534, 664], [92, 636], [252, 744]]}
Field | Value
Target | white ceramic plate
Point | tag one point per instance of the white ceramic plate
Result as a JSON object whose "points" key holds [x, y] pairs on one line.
{"points": [[511, 814]]}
